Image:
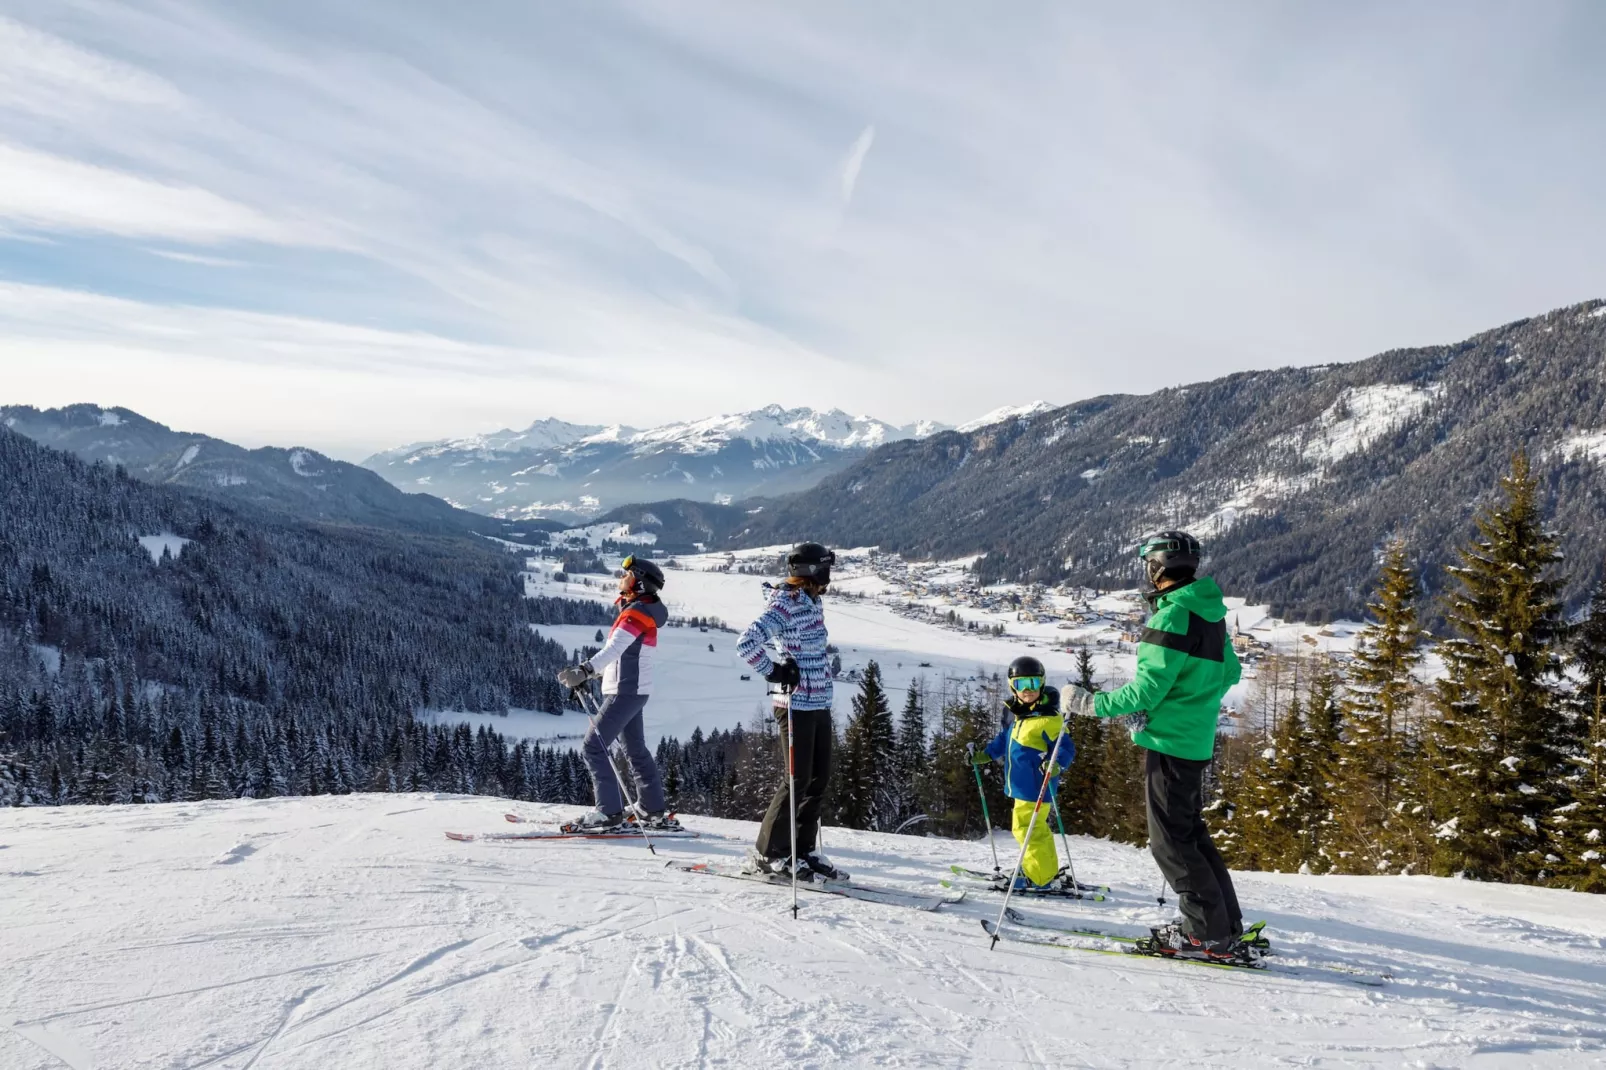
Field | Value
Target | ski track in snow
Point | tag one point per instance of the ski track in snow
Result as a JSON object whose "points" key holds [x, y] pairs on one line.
{"points": [[349, 932]]}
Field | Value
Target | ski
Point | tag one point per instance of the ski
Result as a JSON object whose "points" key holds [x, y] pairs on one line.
{"points": [[668, 824], [624, 832], [1331, 970], [998, 884], [983, 875], [870, 893], [1026, 922]]}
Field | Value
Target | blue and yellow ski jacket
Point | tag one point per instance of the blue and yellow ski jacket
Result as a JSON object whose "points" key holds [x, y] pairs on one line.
{"points": [[1023, 747]]}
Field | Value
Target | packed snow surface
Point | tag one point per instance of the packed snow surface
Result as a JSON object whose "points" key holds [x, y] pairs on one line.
{"points": [[349, 932]]}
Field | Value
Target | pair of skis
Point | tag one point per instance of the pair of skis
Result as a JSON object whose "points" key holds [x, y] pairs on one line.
{"points": [[1097, 941], [627, 830], [848, 889], [998, 881]]}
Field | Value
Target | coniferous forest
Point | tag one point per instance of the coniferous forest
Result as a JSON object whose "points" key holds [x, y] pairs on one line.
{"points": [[267, 656], [272, 656], [1495, 771]]}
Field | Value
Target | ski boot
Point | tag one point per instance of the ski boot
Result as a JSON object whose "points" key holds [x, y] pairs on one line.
{"points": [[1172, 942], [1055, 885], [821, 867], [652, 820], [757, 864], [596, 821], [1252, 941]]}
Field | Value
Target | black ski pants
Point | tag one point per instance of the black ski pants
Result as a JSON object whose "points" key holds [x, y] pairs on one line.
{"points": [[1181, 846], [812, 734]]}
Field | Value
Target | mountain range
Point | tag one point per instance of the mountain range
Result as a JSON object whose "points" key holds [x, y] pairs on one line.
{"points": [[576, 471], [1294, 477], [297, 483]]}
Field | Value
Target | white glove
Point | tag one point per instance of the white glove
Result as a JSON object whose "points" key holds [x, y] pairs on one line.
{"points": [[1133, 722], [1078, 701], [575, 676]]}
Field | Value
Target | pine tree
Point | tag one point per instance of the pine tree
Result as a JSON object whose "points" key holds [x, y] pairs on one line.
{"points": [[1377, 705], [951, 799], [1579, 826], [1079, 791], [1119, 810], [760, 767], [913, 756], [865, 795], [1502, 733]]}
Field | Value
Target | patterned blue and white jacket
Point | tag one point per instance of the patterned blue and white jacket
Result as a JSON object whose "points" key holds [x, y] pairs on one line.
{"points": [[797, 622]]}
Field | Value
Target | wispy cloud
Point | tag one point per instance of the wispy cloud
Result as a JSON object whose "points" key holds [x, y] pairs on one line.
{"points": [[54, 194], [855, 162], [197, 258], [1082, 198]]}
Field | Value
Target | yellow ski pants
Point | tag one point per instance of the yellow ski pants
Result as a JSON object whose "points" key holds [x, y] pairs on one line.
{"points": [[1042, 861]]}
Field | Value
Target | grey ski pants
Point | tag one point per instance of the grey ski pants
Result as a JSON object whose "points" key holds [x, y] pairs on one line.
{"points": [[1181, 846], [621, 718]]}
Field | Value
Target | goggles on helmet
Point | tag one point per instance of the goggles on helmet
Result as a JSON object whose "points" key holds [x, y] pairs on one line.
{"points": [[1026, 683]]}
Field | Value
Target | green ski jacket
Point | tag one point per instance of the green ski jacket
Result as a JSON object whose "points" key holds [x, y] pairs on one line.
{"points": [[1185, 666]]}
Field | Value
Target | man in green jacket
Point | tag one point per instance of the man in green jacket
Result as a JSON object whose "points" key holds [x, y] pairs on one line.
{"points": [[1185, 666]]}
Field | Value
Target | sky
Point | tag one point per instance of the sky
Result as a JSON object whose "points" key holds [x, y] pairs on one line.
{"points": [[350, 226]]}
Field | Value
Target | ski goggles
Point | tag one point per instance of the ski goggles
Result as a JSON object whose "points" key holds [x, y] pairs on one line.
{"points": [[1025, 683]]}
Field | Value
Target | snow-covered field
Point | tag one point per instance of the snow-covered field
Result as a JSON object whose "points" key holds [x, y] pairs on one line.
{"points": [[698, 688], [348, 932]]}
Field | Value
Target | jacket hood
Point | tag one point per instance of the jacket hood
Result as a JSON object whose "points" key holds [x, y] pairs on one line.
{"points": [[1202, 596]]}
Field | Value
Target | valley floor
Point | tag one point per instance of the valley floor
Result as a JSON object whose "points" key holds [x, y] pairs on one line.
{"points": [[350, 933]]}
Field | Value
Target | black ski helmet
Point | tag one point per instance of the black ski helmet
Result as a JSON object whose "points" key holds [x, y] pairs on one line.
{"points": [[1168, 554], [1026, 665], [649, 577], [810, 561]]}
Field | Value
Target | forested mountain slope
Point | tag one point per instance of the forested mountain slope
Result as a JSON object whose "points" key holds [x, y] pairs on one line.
{"points": [[1296, 476], [265, 654], [296, 482]]}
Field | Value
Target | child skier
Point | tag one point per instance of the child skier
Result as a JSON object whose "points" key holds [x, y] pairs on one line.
{"points": [[1032, 745]]}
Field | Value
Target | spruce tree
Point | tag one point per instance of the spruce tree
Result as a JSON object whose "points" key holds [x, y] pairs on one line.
{"points": [[1377, 705], [913, 756], [1579, 826], [866, 797], [1502, 735], [1079, 790]]}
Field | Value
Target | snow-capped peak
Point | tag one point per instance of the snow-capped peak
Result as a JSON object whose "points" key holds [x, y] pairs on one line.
{"points": [[769, 424], [1008, 412], [541, 435]]}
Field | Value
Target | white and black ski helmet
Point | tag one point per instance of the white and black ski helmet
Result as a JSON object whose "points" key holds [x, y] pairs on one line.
{"points": [[810, 561]]}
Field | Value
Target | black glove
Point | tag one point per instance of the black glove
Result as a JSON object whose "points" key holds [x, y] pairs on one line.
{"points": [[975, 755], [785, 673]]}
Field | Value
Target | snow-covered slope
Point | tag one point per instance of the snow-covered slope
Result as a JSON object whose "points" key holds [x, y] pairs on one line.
{"points": [[1006, 412], [349, 932]]}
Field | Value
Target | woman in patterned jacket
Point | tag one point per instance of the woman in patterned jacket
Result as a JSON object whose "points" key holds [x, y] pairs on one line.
{"points": [[787, 645]]}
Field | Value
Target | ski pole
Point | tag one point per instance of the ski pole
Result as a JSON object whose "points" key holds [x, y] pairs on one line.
{"points": [[613, 764], [986, 817], [1020, 859], [1066, 843], [791, 796], [1059, 819]]}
